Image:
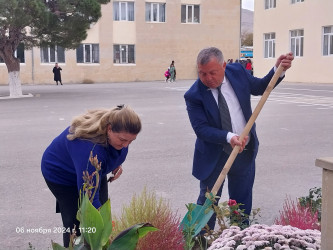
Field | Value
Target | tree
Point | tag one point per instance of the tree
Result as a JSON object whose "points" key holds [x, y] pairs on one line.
{"points": [[41, 23], [247, 39]]}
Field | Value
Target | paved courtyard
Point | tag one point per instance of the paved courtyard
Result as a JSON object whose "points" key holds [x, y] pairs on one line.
{"points": [[294, 128]]}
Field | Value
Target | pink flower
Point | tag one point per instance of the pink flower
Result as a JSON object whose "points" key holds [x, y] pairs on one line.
{"points": [[232, 203]]}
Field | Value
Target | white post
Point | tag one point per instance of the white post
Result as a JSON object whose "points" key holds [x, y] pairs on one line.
{"points": [[327, 202]]}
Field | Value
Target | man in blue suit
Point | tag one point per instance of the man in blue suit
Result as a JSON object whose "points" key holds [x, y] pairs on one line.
{"points": [[212, 143]]}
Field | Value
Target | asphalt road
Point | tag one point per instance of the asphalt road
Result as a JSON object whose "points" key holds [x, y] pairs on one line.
{"points": [[294, 128]]}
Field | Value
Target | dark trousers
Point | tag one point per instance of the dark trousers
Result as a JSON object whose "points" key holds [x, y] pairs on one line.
{"points": [[67, 204], [240, 182]]}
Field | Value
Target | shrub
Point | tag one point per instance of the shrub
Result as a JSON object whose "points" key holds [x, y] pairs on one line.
{"points": [[313, 200], [147, 207], [296, 215], [267, 237]]}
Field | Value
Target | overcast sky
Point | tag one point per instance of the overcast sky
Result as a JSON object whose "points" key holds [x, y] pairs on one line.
{"points": [[248, 4]]}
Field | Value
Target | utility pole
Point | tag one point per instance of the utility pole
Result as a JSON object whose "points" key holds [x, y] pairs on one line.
{"points": [[32, 66]]}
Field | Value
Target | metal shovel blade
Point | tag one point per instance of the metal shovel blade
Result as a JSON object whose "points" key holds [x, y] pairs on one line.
{"points": [[198, 217]]}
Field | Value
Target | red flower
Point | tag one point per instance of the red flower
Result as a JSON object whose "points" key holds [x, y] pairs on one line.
{"points": [[232, 203]]}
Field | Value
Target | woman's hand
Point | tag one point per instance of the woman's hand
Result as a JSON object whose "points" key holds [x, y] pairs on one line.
{"points": [[116, 174]]}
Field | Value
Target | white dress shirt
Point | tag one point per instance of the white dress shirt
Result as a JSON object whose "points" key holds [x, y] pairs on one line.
{"points": [[238, 121], [236, 113]]}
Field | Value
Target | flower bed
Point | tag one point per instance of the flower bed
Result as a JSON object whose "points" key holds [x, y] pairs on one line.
{"points": [[267, 237]]}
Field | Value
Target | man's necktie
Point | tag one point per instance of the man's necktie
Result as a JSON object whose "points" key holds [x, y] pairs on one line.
{"points": [[225, 117]]}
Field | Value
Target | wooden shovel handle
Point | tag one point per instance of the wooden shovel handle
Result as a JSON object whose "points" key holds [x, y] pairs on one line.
{"points": [[247, 129]]}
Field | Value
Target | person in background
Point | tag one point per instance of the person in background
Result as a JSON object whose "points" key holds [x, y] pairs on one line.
{"points": [[248, 66], [167, 75], [214, 140], [57, 74], [172, 71], [106, 133]]}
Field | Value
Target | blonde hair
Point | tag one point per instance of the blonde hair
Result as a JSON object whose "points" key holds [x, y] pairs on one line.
{"points": [[93, 124]]}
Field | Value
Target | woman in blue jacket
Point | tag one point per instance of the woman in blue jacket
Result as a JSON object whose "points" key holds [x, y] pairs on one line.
{"points": [[107, 133]]}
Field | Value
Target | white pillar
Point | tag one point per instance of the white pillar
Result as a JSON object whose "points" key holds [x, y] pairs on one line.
{"points": [[327, 202]]}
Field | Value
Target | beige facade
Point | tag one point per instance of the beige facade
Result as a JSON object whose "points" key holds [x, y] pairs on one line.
{"points": [[302, 26], [156, 44]]}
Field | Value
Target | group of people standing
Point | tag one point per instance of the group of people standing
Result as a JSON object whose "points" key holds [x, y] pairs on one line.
{"points": [[109, 132], [247, 64]]}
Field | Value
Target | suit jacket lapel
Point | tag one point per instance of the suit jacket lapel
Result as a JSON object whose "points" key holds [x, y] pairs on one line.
{"points": [[210, 104]]}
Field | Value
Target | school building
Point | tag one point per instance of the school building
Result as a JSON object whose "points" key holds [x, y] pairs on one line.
{"points": [[136, 41], [304, 27]]}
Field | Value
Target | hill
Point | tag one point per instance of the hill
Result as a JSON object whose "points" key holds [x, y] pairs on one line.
{"points": [[247, 21]]}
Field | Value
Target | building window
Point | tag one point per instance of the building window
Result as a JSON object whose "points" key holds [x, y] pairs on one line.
{"points": [[123, 53], [87, 53], [297, 42], [269, 45], [123, 11], [155, 12], [296, 1], [190, 13], [328, 41], [53, 54], [19, 53], [270, 4]]}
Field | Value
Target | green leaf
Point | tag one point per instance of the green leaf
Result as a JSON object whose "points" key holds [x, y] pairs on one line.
{"points": [[56, 246], [128, 239], [105, 212], [81, 246], [91, 219], [146, 228]]}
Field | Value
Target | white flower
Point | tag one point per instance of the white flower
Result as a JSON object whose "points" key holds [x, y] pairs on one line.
{"points": [[277, 236], [261, 243], [231, 243], [252, 247], [277, 246]]}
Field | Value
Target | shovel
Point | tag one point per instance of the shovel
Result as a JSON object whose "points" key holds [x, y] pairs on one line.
{"points": [[198, 216]]}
